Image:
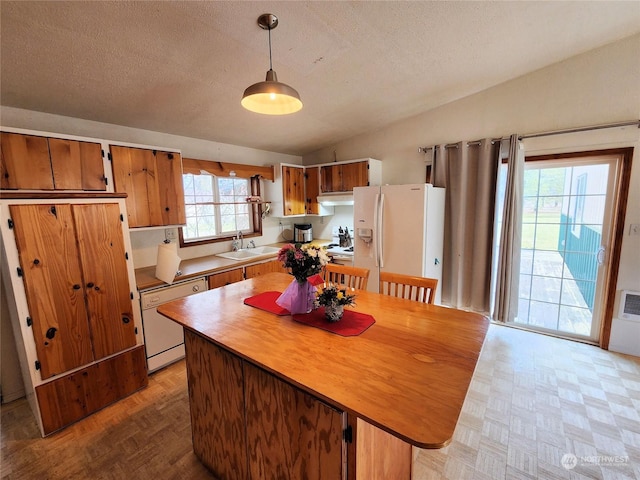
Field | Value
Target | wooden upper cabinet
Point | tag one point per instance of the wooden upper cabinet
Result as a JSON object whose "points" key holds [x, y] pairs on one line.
{"points": [[152, 181], [330, 178], [77, 165], [170, 188], [41, 163], [24, 162], [312, 188], [293, 190], [343, 177], [354, 175]]}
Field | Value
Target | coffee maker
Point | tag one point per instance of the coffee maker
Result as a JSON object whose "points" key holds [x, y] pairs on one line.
{"points": [[302, 233]]}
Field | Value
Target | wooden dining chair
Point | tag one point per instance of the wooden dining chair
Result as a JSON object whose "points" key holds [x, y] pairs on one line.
{"points": [[352, 277], [420, 289]]}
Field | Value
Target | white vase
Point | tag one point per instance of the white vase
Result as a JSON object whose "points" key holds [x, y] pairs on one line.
{"points": [[333, 312]]}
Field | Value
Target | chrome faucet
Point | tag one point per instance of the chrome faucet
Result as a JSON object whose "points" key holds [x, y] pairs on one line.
{"points": [[251, 244], [238, 242]]}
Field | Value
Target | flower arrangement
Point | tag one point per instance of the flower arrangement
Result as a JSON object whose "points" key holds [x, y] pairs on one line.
{"points": [[332, 295], [334, 299], [303, 261]]}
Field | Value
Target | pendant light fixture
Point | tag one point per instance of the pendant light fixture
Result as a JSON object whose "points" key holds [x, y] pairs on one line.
{"points": [[271, 97]]}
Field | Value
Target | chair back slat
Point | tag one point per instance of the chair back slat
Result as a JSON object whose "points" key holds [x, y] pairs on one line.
{"points": [[420, 289], [352, 277]]}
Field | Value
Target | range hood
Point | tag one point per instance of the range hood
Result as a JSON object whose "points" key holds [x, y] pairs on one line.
{"points": [[336, 199]]}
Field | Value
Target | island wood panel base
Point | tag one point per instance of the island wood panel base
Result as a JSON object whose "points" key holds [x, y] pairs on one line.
{"points": [[216, 400], [77, 395], [289, 433], [248, 424], [375, 454]]}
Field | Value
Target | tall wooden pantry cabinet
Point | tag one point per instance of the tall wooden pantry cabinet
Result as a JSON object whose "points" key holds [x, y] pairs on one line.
{"points": [[67, 263]]}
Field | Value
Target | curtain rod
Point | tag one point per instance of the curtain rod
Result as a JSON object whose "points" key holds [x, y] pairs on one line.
{"points": [[543, 134], [581, 129], [455, 145]]}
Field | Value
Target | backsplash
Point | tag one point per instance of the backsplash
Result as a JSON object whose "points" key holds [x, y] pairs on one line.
{"points": [[145, 242]]}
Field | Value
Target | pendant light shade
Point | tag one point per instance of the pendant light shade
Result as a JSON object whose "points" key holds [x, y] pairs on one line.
{"points": [[271, 97]]}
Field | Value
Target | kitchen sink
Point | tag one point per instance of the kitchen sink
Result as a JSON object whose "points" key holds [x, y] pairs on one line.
{"points": [[263, 250], [248, 253], [237, 255]]}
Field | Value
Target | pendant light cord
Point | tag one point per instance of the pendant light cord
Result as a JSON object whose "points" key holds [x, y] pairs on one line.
{"points": [[270, 65]]}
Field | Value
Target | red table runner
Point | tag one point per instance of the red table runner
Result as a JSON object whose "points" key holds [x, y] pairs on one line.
{"points": [[351, 324], [267, 301]]}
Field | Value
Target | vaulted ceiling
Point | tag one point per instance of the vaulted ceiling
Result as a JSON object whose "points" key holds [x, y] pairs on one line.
{"points": [[181, 67]]}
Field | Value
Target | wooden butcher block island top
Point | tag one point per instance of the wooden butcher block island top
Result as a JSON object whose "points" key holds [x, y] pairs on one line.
{"points": [[408, 374]]}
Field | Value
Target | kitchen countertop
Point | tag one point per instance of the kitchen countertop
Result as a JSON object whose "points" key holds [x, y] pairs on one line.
{"points": [[407, 374], [207, 265]]}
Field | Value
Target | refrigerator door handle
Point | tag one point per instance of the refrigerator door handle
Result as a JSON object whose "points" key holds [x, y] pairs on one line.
{"points": [[376, 246], [379, 231]]}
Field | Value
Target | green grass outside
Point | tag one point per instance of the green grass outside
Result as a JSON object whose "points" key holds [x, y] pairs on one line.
{"points": [[545, 234]]}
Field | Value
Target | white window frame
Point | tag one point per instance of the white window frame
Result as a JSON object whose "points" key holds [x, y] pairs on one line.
{"points": [[217, 205]]}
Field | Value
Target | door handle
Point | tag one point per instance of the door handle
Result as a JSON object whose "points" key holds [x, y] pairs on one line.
{"points": [[600, 255]]}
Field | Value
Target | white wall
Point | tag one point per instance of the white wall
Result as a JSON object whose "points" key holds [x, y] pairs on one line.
{"points": [[598, 87], [10, 379]]}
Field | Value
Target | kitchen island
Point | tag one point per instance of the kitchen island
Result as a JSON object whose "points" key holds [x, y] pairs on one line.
{"points": [[271, 397]]}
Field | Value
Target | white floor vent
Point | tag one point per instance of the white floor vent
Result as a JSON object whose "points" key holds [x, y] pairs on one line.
{"points": [[630, 306]]}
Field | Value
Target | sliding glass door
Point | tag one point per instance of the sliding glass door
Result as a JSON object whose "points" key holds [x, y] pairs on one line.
{"points": [[566, 222]]}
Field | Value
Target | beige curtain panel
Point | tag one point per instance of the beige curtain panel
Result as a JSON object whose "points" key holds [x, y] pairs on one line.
{"points": [[468, 171], [510, 236]]}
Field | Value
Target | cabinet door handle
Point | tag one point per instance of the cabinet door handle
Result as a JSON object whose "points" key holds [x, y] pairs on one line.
{"points": [[125, 319], [36, 262], [90, 285], [77, 287], [51, 333]]}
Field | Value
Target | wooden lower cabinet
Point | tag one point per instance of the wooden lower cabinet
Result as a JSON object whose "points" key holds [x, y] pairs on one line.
{"points": [[225, 278], [264, 268], [72, 397], [247, 423]]}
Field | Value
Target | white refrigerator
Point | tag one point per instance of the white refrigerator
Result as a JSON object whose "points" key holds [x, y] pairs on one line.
{"points": [[399, 228]]}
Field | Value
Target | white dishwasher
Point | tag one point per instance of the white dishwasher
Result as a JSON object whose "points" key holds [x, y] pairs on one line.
{"points": [[164, 338]]}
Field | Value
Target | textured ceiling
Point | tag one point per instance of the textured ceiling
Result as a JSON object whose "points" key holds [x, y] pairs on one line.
{"points": [[181, 67]]}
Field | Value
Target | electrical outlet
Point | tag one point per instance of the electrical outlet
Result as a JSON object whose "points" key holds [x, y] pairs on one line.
{"points": [[170, 234], [634, 229]]}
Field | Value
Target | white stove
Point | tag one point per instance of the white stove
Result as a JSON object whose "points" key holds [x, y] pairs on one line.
{"points": [[338, 250], [341, 246]]}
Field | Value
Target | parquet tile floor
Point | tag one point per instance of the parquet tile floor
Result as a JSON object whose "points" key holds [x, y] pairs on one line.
{"points": [[537, 403], [534, 402]]}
